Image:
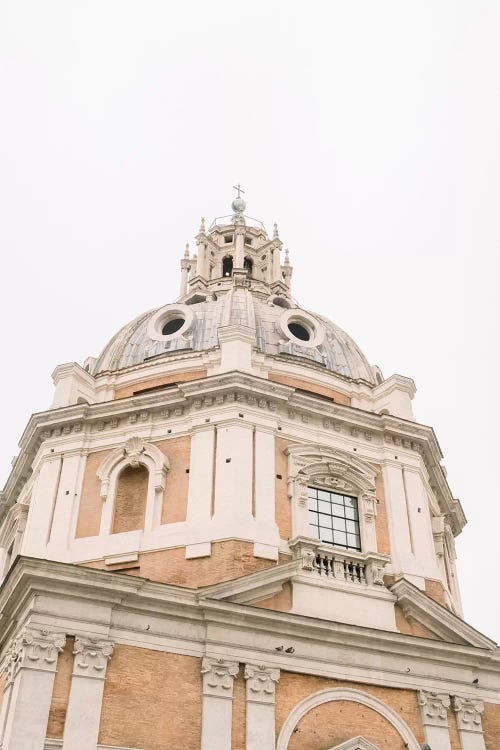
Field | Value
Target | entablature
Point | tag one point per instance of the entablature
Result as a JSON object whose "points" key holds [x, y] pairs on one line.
{"points": [[223, 394], [134, 611]]}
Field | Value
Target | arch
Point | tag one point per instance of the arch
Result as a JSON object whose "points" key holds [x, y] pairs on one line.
{"points": [[344, 694], [135, 452], [248, 265], [227, 265]]}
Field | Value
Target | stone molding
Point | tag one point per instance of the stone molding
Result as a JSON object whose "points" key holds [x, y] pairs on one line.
{"points": [[434, 708], [91, 657], [33, 649], [218, 676], [468, 712], [261, 683], [135, 452]]}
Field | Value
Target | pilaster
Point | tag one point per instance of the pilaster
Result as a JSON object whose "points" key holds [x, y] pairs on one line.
{"points": [[434, 711], [218, 681], [31, 665], [470, 728], [91, 658], [260, 708]]}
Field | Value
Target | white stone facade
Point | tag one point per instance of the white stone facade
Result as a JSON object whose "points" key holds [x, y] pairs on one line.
{"points": [[349, 431]]}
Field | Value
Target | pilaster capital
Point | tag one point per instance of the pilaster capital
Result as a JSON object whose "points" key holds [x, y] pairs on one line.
{"points": [[469, 712], [261, 683], [33, 648], [434, 708], [218, 676], [91, 657]]}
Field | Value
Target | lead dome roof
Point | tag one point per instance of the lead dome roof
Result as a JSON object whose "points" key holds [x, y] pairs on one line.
{"points": [[330, 347]]}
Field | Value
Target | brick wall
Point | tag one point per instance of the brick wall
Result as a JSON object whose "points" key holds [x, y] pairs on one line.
{"points": [[130, 499], [60, 693], [381, 522], [336, 722], [152, 700], [175, 499], [309, 385], [283, 505], [491, 726], [175, 377], [229, 559]]}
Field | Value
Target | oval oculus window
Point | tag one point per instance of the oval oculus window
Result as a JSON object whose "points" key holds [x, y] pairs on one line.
{"points": [[172, 326], [299, 331]]}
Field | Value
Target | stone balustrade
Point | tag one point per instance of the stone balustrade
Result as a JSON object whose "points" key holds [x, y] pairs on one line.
{"points": [[358, 568]]}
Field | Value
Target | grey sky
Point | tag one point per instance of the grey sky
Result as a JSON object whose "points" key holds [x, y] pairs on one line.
{"points": [[368, 130]]}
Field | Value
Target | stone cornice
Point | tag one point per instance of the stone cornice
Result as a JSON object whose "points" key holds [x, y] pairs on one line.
{"points": [[437, 618], [222, 390], [249, 633]]}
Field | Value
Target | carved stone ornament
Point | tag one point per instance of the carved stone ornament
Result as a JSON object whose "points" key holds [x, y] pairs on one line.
{"points": [[468, 711], [261, 683], [33, 649], [434, 708], [134, 447], [91, 657], [218, 676], [369, 506]]}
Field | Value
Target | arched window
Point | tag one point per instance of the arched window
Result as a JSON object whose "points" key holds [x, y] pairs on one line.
{"points": [[248, 265], [130, 499], [227, 265], [132, 486]]}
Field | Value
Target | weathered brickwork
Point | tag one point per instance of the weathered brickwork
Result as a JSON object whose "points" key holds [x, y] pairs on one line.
{"points": [[176, 490], [143, 385], [381, 522], [411, 627], [281, 602], [435, 590], [175, 498], [152, 700], [130, 499], [229, 559], [238, 729], [60, 693], [312, 387], [339, 721], [491, 726], [283, 508], [89, 515]]}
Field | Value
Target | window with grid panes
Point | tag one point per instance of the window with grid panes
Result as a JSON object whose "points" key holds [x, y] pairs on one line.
{"points": [[333, 518]]}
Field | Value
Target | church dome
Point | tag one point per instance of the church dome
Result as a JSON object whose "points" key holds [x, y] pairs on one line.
{"points": [[280, 330]]}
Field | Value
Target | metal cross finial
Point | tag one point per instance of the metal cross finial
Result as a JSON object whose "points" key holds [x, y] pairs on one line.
{"points": [[239, 189]]}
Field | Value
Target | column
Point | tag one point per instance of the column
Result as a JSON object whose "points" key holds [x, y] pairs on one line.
{"points": [[434, 711], [261, 700], [42, 507], [470, 728], [81, 729], [239, 247], [216, 723], [234, 479], [199, 506], [69, 481], [31, 669], [264, 490]]}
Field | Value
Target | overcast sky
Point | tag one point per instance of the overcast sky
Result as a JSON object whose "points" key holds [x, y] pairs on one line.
{"points": [[368, 130]]}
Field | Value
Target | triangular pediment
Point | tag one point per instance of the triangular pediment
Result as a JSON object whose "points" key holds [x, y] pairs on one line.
{"points": [[357, 743], [254, 587], [438, 620]]}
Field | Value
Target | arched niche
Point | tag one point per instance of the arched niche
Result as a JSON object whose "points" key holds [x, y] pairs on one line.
{"points": [[408, 739], [136, 452]]}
